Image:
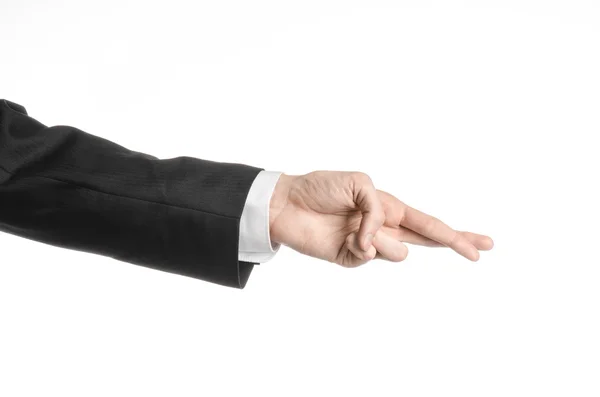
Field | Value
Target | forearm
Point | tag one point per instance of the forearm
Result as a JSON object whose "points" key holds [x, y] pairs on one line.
{"points": [[65, 187]]}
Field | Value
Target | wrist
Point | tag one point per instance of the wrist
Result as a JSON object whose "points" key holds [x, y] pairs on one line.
{"points": [[278, 202]]}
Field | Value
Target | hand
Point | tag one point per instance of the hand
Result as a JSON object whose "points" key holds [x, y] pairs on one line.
{"points": [[342, 218]]}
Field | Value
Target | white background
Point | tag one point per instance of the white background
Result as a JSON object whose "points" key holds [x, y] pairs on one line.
{"points": [[482, 113]]}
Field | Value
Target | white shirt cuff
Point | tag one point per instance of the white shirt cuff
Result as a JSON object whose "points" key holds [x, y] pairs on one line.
{"points": [[255, 243]]}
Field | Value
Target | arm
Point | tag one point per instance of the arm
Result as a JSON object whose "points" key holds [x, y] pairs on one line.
{"points": [[64, 187], [67, 188]]}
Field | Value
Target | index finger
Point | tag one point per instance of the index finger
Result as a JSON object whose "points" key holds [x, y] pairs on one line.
{"points": [[434, 229]]}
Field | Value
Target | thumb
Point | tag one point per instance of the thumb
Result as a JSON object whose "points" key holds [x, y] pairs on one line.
{"points": [[367, 200]]}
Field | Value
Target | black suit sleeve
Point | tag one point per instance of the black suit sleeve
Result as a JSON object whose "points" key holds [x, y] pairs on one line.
{"points": [[67, 188]]}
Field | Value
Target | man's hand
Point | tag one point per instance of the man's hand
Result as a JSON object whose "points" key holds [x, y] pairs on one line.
{"points": [[342, 218]]}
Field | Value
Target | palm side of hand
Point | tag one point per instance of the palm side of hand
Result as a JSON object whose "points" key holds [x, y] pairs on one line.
{"points": [[330, 215]]}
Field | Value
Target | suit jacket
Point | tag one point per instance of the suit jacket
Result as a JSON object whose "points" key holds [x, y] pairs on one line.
{"points": [[67, 188]]}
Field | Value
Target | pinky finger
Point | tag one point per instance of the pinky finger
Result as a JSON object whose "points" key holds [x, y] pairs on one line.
{"points": [[389, 248]]}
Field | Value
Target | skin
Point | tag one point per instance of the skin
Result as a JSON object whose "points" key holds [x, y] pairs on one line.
{"points": [[340, 217]]}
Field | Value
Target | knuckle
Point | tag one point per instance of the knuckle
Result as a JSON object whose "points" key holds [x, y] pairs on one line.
{"points": [[362, 178], [453, 239]]}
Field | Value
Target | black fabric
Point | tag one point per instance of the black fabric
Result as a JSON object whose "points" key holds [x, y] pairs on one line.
{"points": [[67, 188]]}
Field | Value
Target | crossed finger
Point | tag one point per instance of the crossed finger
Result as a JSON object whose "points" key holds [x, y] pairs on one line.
{"points": [[420, 228], [481, 242]]}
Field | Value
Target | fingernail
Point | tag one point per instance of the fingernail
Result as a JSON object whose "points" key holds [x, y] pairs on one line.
{"points": [[368, 241]]}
